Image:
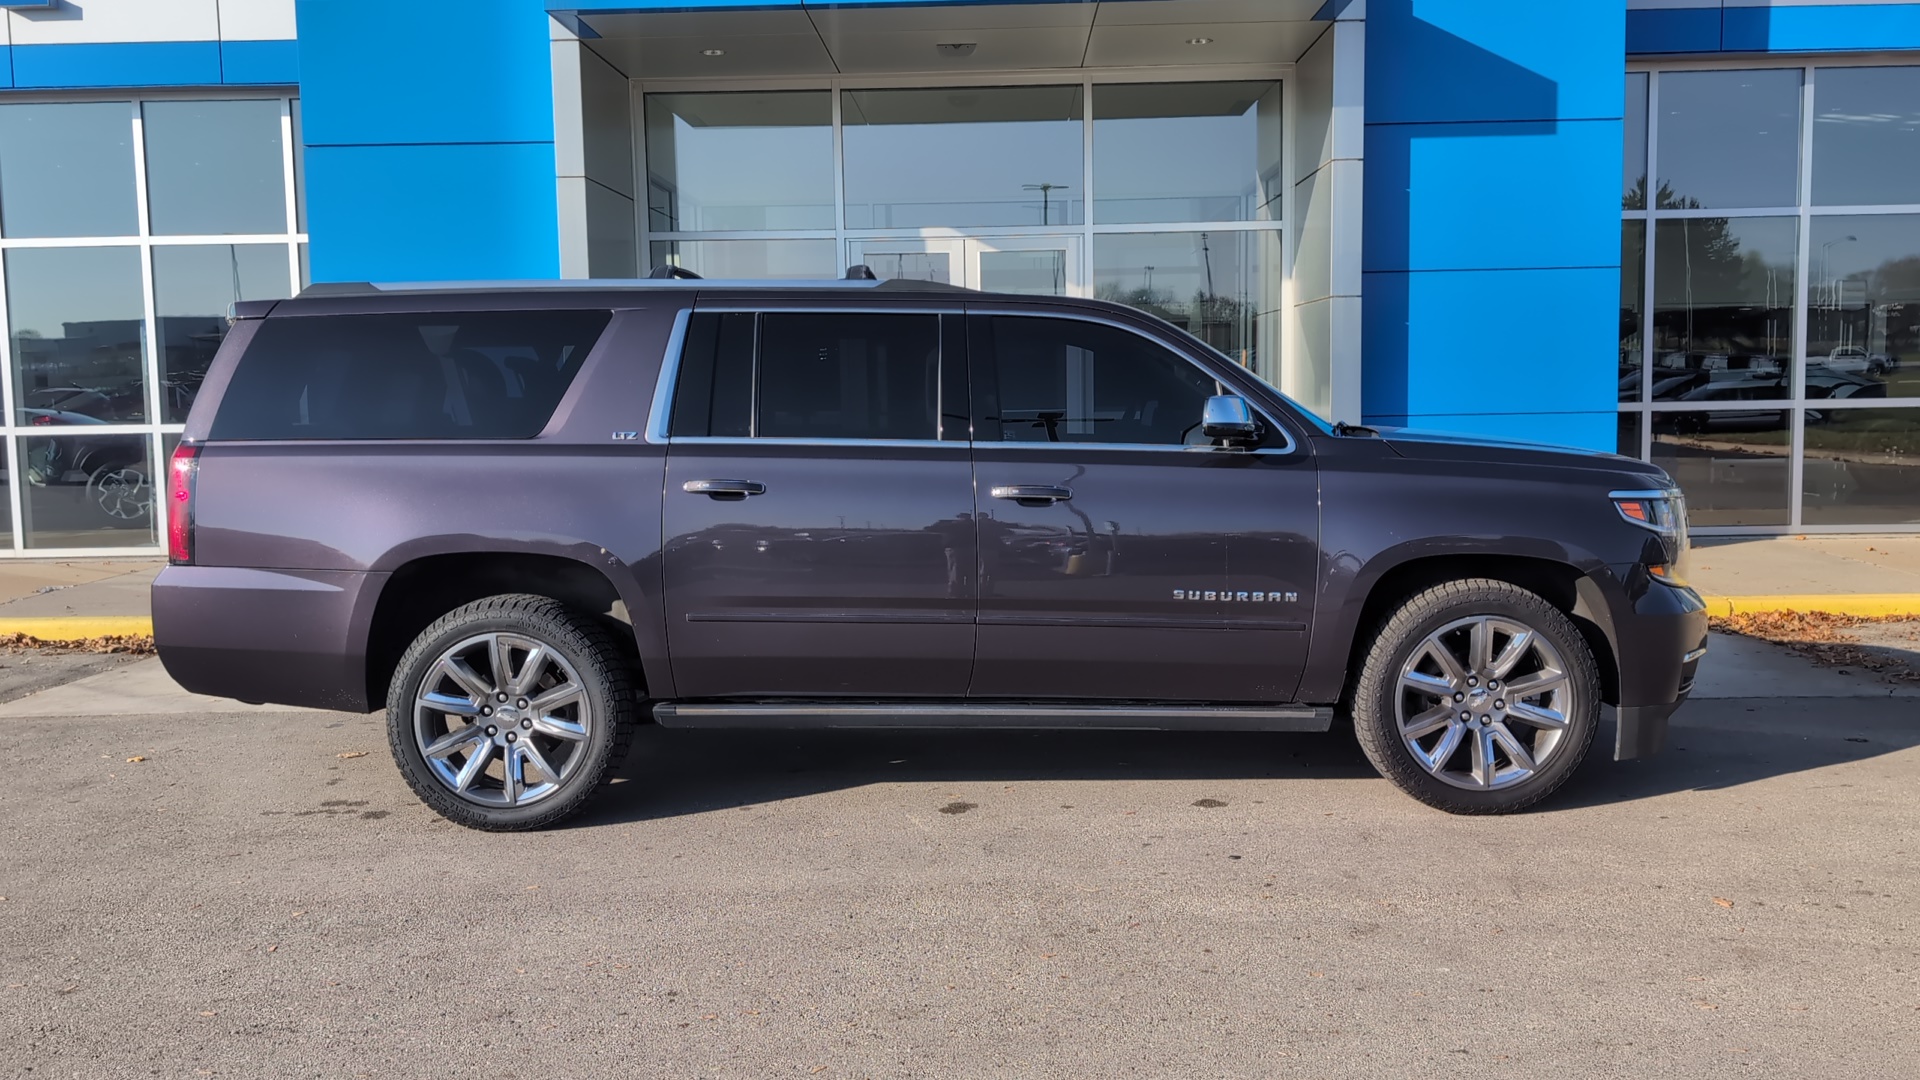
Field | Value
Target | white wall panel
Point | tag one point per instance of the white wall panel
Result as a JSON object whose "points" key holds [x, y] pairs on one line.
{"points": [[104, 21], [256, 20]]}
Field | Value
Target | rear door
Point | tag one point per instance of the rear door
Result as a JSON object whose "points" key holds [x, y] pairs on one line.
{"points": [[1122, 555], [818, 528]]}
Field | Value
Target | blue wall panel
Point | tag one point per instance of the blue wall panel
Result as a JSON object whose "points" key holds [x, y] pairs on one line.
{"points": [[6, 65], [1492, 244], [1446, 61], [1492, 343], [425, 71], [140, 63], [257, 63], [1682, 30], [1820, 29], [1584, 430], [437, 212], [1484, 196]]}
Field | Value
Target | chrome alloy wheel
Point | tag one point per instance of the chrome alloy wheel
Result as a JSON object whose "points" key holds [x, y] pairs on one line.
{"points": [[1484, 702], [502, 720]]}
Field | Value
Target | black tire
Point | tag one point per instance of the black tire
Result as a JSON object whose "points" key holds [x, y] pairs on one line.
{"points": [[603, 672], [1378, 690]]}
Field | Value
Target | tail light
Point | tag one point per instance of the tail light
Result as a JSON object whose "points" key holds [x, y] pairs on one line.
{"points": [[182, 472]]}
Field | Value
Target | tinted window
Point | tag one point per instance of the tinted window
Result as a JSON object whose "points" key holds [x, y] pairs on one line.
{"points": [[457, 375], [1062, 380], [824, 376]]}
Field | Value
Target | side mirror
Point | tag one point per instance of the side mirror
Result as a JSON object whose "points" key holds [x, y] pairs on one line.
{"points": [[1228, 418]]}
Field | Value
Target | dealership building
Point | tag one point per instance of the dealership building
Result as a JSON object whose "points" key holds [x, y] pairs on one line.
{"points": [[1682, 230]]}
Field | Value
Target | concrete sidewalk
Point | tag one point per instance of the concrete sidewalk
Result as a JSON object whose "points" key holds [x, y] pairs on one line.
{"points": [[72, 599]]}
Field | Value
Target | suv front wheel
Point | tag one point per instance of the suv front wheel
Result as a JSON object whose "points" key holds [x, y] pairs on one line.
{"points": [[1477, 697], [510, 712]]}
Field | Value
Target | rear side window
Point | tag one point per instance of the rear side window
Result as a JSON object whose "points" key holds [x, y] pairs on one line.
{"points": [[444, 375], [800, 375]]}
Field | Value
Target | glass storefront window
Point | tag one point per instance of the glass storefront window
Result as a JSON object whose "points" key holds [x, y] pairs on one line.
{"points": [[1866, 136], [78, 322], [1633, 179], [215, 167], [1633, 291], [739, 161], [1629, 441], [1862, 467], [1732, 463], [87, 491], [67, 170], [1723, 292], [963, 157], [1222, 287], [738, 260], [1167, 152], [1863, 307], [1729, 138], [192, 287]]}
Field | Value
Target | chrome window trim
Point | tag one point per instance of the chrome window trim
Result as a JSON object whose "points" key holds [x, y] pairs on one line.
{"points": [[1102, 320], [782, 440], [667, 383]]}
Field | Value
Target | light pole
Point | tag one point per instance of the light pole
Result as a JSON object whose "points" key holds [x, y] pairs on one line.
{"points": [[1046, 197], [1825, 252]]}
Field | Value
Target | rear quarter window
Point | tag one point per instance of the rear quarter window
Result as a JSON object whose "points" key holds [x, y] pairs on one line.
{"points": [[453, 375]]}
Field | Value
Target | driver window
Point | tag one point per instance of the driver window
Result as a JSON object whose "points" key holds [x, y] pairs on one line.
{"points": [[1068, 381]]}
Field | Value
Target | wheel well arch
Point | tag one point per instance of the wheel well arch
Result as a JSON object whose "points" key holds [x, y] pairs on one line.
{"points": [[1559, 583], [422, 590]]}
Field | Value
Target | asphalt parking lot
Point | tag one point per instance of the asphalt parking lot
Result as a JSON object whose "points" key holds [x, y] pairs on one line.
{"points": [[259, 895]]}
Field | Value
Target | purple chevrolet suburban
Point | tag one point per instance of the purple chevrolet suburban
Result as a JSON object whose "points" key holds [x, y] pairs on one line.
{"points": [[524, 518]]}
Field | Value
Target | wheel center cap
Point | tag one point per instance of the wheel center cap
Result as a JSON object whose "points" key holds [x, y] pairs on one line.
{"points": [[506, 716], [1477, 698]]}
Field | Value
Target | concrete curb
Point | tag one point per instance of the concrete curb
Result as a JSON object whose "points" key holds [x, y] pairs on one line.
{"points": [[78, 627], [1864, 604]]}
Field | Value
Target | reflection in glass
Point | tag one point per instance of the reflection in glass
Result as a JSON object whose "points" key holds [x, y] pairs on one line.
{"points": [[67, 170], [215, 167], [1631, 424], [1733, 464], [6, 493], [1031, 273], [192, 288], [1866, 136], [739, 161], [741, 260], [1633, 179], [1729, 138], [1222, 287], [1863, 307], [910, 265], [87, 491], [299, 169], [1633, 293], [1723, 292], [1862, 467], [78, 324], [963, 156], [1187, 152]]}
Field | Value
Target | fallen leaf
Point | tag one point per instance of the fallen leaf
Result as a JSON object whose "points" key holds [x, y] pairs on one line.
{"points": [[1318, 974], [710, 1016], [1704, 1005], [297, 914], [209, 1012], [136, 759], [818, 1069], [273, 948], [351, 754], [1723, 901]]}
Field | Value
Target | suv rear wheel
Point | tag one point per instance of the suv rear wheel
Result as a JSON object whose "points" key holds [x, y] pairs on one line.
{"points": [[510, 712], [1477, 697]]}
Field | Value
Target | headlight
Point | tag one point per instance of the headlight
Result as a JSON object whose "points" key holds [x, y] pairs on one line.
{"points": [[1664, 513]]}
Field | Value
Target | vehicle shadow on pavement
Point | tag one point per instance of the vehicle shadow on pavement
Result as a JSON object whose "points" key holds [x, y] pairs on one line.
{"points": [[1714, 744], [677, 772], [1726, 742]]}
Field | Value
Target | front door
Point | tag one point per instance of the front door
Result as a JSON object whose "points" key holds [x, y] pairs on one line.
{"points": [[818, 529], [1029, 265], [1122, 556]]}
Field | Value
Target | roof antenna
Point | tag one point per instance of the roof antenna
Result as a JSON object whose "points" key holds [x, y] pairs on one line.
{"points": [[861, 272], [668, 271]]}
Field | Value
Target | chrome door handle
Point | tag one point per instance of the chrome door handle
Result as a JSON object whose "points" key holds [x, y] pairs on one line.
{"points": [[724, 489], [1033, 494]]}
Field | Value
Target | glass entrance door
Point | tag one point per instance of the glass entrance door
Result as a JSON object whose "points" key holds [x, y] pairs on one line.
{"points": [[1031, 265]]}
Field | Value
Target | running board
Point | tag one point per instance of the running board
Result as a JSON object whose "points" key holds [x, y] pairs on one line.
{"points": [[996, 715]]}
